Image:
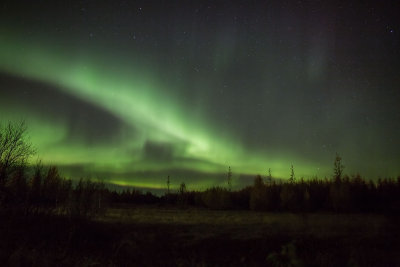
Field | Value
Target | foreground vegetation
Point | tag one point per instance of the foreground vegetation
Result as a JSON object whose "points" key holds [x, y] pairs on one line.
{"points": [[42, 190], [47, 220], [45, 191], [160, 236]]}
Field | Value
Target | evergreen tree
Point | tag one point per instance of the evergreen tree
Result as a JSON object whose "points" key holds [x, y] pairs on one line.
{"points": [[292, 177], [182, 188], [338, 168], [269, 176], [168, 184], [229, 179]]}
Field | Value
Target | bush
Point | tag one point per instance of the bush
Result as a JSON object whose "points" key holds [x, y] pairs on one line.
{"points": [[87, 199], [258, 195], [217, 198]]}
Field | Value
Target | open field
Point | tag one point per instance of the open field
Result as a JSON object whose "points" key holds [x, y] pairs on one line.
{"points": [[154, 236], [249, 224]]}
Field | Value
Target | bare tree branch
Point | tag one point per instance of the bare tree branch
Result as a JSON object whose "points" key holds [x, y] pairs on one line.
{"points": [[15, 150]]}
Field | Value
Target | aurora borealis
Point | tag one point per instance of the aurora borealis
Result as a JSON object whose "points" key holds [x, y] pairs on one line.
{"points": [[131, 92]]}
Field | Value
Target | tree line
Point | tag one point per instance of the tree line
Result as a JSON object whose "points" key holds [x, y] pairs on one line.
{"points": [[41, 190], [44, 190], [345, 194]]}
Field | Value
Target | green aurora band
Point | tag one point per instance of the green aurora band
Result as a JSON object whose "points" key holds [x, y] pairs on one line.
{"points": [[134, 94]]}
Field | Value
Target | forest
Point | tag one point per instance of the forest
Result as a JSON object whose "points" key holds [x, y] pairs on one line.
{"points": [[37, 189], [40, 210]]}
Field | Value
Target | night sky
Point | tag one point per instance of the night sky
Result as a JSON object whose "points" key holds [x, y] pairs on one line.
{"points": [[131, 92]]}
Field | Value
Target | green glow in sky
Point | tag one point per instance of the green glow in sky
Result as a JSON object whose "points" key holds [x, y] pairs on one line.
{"points": [[162, 130]]}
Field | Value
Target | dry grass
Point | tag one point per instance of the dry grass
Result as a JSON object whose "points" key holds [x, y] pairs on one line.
{"points": [[165, 236], [316, 224]]}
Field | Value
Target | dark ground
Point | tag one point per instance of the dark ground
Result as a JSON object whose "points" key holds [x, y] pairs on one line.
{"points": [[151, 236]]}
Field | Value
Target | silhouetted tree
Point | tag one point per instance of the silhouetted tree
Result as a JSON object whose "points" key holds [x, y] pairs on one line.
{"points": [[15, 150], [229, 179], [84, 202], [338, 168], [288, 196], [217, 198], [319, 194], [240, 199], [182, 188], [258, 194], [269, 176], [340, 188], [35, 185], [292, 177], [18, 187], [340, 195], [360, 199], [168, 184], [273, 196], [51, 186], [182, 194]]}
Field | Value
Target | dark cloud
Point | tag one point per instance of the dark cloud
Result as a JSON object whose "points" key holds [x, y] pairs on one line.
{"points": [[157, 151], [86, 122]]}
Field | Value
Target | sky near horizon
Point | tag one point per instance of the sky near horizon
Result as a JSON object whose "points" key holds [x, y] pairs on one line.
{"points": [[134, 92]]}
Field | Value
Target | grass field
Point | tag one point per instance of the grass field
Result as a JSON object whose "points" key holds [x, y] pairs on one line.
{"points": [[161, 236], [249, 224]]}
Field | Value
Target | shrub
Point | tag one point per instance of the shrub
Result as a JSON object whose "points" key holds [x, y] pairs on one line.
{"points": [[217, 198]]}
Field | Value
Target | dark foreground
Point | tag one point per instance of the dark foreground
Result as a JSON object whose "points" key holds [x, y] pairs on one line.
{"points": [[151, 236]]}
